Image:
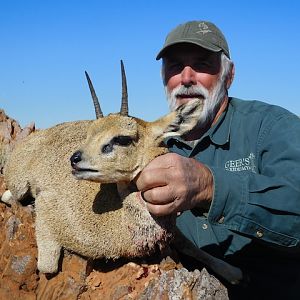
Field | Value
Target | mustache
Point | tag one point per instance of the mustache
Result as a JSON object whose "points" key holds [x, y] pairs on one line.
{"points": [[197, 91]]}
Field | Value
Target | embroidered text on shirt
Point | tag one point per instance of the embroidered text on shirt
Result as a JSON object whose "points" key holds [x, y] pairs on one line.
{"points": [[241, 164]]}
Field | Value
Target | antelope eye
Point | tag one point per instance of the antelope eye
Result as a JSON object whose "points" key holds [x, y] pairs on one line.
{"points": [[107, 148], [122, 140]]}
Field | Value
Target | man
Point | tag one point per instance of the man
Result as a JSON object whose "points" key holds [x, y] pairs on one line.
{"points": [[234, 179]]}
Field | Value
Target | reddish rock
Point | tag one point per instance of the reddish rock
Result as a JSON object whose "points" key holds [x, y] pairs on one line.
{"points": [[11, 133]]}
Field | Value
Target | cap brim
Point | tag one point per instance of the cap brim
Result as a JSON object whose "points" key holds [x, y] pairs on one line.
{"points": [[202, 44]]}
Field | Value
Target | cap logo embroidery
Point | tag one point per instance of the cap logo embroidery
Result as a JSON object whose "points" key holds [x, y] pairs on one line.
{"points": [[203, 28]]}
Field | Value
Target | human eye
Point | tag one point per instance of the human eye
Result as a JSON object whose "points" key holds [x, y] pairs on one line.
{"points": [[174, 66], [202, 64]]}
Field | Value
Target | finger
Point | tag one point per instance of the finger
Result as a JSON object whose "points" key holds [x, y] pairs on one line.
{"points": [[162, 161], [158, 172], [149, 179], [158, 195], [161, 210]]}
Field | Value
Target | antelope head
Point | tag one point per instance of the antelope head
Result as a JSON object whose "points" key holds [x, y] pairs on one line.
{"points": [[119, 146]]}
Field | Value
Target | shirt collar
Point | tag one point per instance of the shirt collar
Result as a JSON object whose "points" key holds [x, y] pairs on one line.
{"points": [[220, 132]]}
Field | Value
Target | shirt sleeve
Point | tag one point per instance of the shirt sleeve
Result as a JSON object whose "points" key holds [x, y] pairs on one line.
{"points": [[264, 205]]}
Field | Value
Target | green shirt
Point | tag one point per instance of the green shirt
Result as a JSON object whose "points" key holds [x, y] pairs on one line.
{"points": [[253, 152]]}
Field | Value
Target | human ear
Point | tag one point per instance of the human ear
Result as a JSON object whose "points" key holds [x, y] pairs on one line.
{"points": [[230, 76]]}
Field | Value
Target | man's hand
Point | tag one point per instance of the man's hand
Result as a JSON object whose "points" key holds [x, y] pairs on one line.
{"points": [[172, 183]]}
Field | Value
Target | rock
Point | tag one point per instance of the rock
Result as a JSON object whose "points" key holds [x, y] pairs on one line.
{"points": [[182, 284], [18, 253], [10, 134]]}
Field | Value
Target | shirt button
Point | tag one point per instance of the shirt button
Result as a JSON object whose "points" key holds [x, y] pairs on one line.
{"points": [[221, 220], [204, 226], [259, 233]]}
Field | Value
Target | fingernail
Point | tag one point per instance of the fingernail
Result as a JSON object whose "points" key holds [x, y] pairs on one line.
{"points": [[140, 197]]}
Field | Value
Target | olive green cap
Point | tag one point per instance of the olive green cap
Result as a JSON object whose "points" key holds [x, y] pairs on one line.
{"points": [[202, 33]]}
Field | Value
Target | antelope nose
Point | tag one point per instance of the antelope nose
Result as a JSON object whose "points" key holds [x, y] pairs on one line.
{"points": [[75, 158]]}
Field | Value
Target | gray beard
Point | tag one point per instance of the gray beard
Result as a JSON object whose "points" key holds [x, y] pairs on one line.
{"points": [[212, 100]]}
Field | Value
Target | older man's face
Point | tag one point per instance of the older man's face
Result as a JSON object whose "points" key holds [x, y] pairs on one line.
{"points": [[189, 66]]}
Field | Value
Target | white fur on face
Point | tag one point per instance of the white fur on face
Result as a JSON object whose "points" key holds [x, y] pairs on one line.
{"points": [[212, 99]]}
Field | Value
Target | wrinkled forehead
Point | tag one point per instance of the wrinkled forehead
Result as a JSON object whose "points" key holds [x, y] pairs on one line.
{"points": [[113, 123]]}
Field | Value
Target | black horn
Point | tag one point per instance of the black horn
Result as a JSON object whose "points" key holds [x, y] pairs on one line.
{"points": [[124, 105], [98, 110]]}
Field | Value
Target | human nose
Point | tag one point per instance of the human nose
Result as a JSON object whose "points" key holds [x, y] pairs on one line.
{"points": [[188, 76]]}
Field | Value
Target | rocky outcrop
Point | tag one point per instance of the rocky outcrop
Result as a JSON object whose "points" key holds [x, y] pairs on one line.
{"points": [[78, 277], [11, 133]]}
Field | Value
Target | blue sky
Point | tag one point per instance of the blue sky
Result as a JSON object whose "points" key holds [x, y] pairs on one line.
{"points": [[46, 46]]}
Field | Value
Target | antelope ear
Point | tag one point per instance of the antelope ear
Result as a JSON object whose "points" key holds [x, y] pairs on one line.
{"points": [[180, 121]]}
